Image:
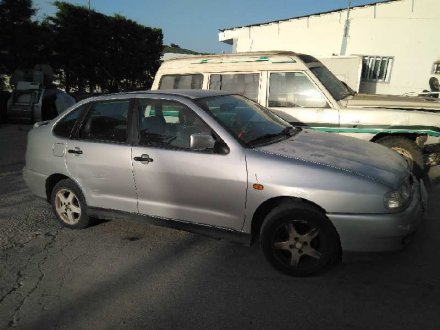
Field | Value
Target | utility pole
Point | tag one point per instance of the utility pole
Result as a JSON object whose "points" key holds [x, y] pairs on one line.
{"points": [[346, 31]]}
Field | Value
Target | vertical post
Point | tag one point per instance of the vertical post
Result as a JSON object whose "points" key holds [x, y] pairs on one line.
{"points": [[346, 31]]}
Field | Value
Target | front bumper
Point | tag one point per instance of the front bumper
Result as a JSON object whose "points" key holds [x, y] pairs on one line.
{"points": [[380, 232]]}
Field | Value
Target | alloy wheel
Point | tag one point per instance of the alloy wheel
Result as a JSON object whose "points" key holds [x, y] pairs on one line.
{"points": [[296, 243], [67, 206]]}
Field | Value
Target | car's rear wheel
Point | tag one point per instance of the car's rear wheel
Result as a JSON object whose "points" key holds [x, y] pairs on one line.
{"points": [[409, 150], [299, 239], [69, 205]]}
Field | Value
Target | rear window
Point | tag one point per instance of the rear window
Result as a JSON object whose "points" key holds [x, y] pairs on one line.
{"points": [[242, 83], [181, 81]]}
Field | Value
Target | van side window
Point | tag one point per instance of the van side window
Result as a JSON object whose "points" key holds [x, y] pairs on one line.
{"points": [[242, 83], [294, 89], [181, 81]]}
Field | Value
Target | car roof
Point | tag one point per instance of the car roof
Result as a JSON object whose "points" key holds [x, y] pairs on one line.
{"points": [[187, 93]]}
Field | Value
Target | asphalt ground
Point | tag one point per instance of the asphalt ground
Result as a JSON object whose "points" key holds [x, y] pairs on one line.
{"points": [[122, 275]]}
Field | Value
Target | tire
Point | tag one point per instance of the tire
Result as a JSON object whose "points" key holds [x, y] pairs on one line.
{"points": [[409, 150], [69, 206], [299, 240]]}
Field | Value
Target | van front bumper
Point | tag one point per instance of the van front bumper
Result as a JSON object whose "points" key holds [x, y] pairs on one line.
{"points": [[380, 232]]}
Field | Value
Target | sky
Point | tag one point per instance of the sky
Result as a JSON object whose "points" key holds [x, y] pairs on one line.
{"points": [[194, 24]]}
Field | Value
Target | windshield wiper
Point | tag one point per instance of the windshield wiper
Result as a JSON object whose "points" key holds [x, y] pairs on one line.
{"points": [[287, 132], [291, 131]]}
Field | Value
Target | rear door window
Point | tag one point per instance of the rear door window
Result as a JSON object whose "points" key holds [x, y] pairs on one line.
{"points": [[106, 121], [65, 126], [184, 81], [242, 83]]}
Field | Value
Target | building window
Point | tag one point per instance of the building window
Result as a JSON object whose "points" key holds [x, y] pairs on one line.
{"points": [[377, 68]]}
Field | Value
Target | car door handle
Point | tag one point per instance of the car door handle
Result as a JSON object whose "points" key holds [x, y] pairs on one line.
{"points": [[144, 158], [76, 151]]}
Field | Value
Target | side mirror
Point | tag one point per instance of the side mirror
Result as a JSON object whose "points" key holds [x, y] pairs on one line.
{"points": [[201, 141]]}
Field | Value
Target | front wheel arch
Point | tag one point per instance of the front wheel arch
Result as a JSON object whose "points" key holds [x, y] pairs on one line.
{"points": [[299, 239], [267, 206]]}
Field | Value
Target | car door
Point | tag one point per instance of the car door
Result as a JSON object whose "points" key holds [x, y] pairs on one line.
{"points": [[294, 97], [175, 182], [98, 157]]}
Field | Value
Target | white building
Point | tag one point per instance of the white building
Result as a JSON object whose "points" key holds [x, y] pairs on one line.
{"points": [[398, 39]]}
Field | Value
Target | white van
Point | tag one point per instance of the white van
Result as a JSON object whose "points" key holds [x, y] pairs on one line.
{"points": [[300, 89]]}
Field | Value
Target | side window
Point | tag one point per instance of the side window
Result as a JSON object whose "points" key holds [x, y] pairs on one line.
{"points": [[64, 127], [106, 121], [242, 83], [294, 89], [184, 81], [167, 124]]}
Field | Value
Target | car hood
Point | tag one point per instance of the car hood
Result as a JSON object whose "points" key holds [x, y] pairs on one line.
{"points": [[391, 101], [365, 159]]}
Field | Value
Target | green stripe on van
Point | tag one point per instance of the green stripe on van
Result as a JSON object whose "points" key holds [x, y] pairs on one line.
{"points": [[425, 130]]}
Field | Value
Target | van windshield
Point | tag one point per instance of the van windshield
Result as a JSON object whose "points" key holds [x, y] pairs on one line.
{"points": [[250, 123], [336, 88]]}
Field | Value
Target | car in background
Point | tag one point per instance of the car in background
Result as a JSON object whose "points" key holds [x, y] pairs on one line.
{"points": [[219, 164], [304, 92]]}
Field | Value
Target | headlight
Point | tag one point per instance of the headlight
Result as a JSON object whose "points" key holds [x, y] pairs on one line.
{"points": [[395, 200]]}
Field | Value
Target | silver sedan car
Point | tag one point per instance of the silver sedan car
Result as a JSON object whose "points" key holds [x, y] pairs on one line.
{"points": [[221, 165]]}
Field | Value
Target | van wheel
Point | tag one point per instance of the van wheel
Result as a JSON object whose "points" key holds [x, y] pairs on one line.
{"points": [[409, 150], [299, 239], [69, 205]]}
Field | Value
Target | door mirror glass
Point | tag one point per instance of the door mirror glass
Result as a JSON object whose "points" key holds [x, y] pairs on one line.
{"points": [[201, 141]]}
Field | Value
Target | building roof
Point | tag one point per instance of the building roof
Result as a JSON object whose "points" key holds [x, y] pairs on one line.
{"points": [[310, 15]]}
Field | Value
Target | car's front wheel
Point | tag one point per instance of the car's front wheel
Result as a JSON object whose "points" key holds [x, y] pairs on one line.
{"points": [[69, 205], [299, 239]]}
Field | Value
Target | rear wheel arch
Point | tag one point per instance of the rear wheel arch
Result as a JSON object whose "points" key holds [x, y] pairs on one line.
{"points": [[411, 136], [267, 206], [51, 181], [407, 145]]}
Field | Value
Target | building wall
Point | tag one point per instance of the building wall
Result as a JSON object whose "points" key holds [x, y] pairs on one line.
{"points": [[404, 29]]}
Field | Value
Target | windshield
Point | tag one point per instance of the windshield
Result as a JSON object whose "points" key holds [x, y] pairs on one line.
{"points": [[247, 121], [336, 88]]}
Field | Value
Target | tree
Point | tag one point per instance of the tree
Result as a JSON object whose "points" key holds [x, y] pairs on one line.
{"points": [[19, 35], [95, 51]]}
